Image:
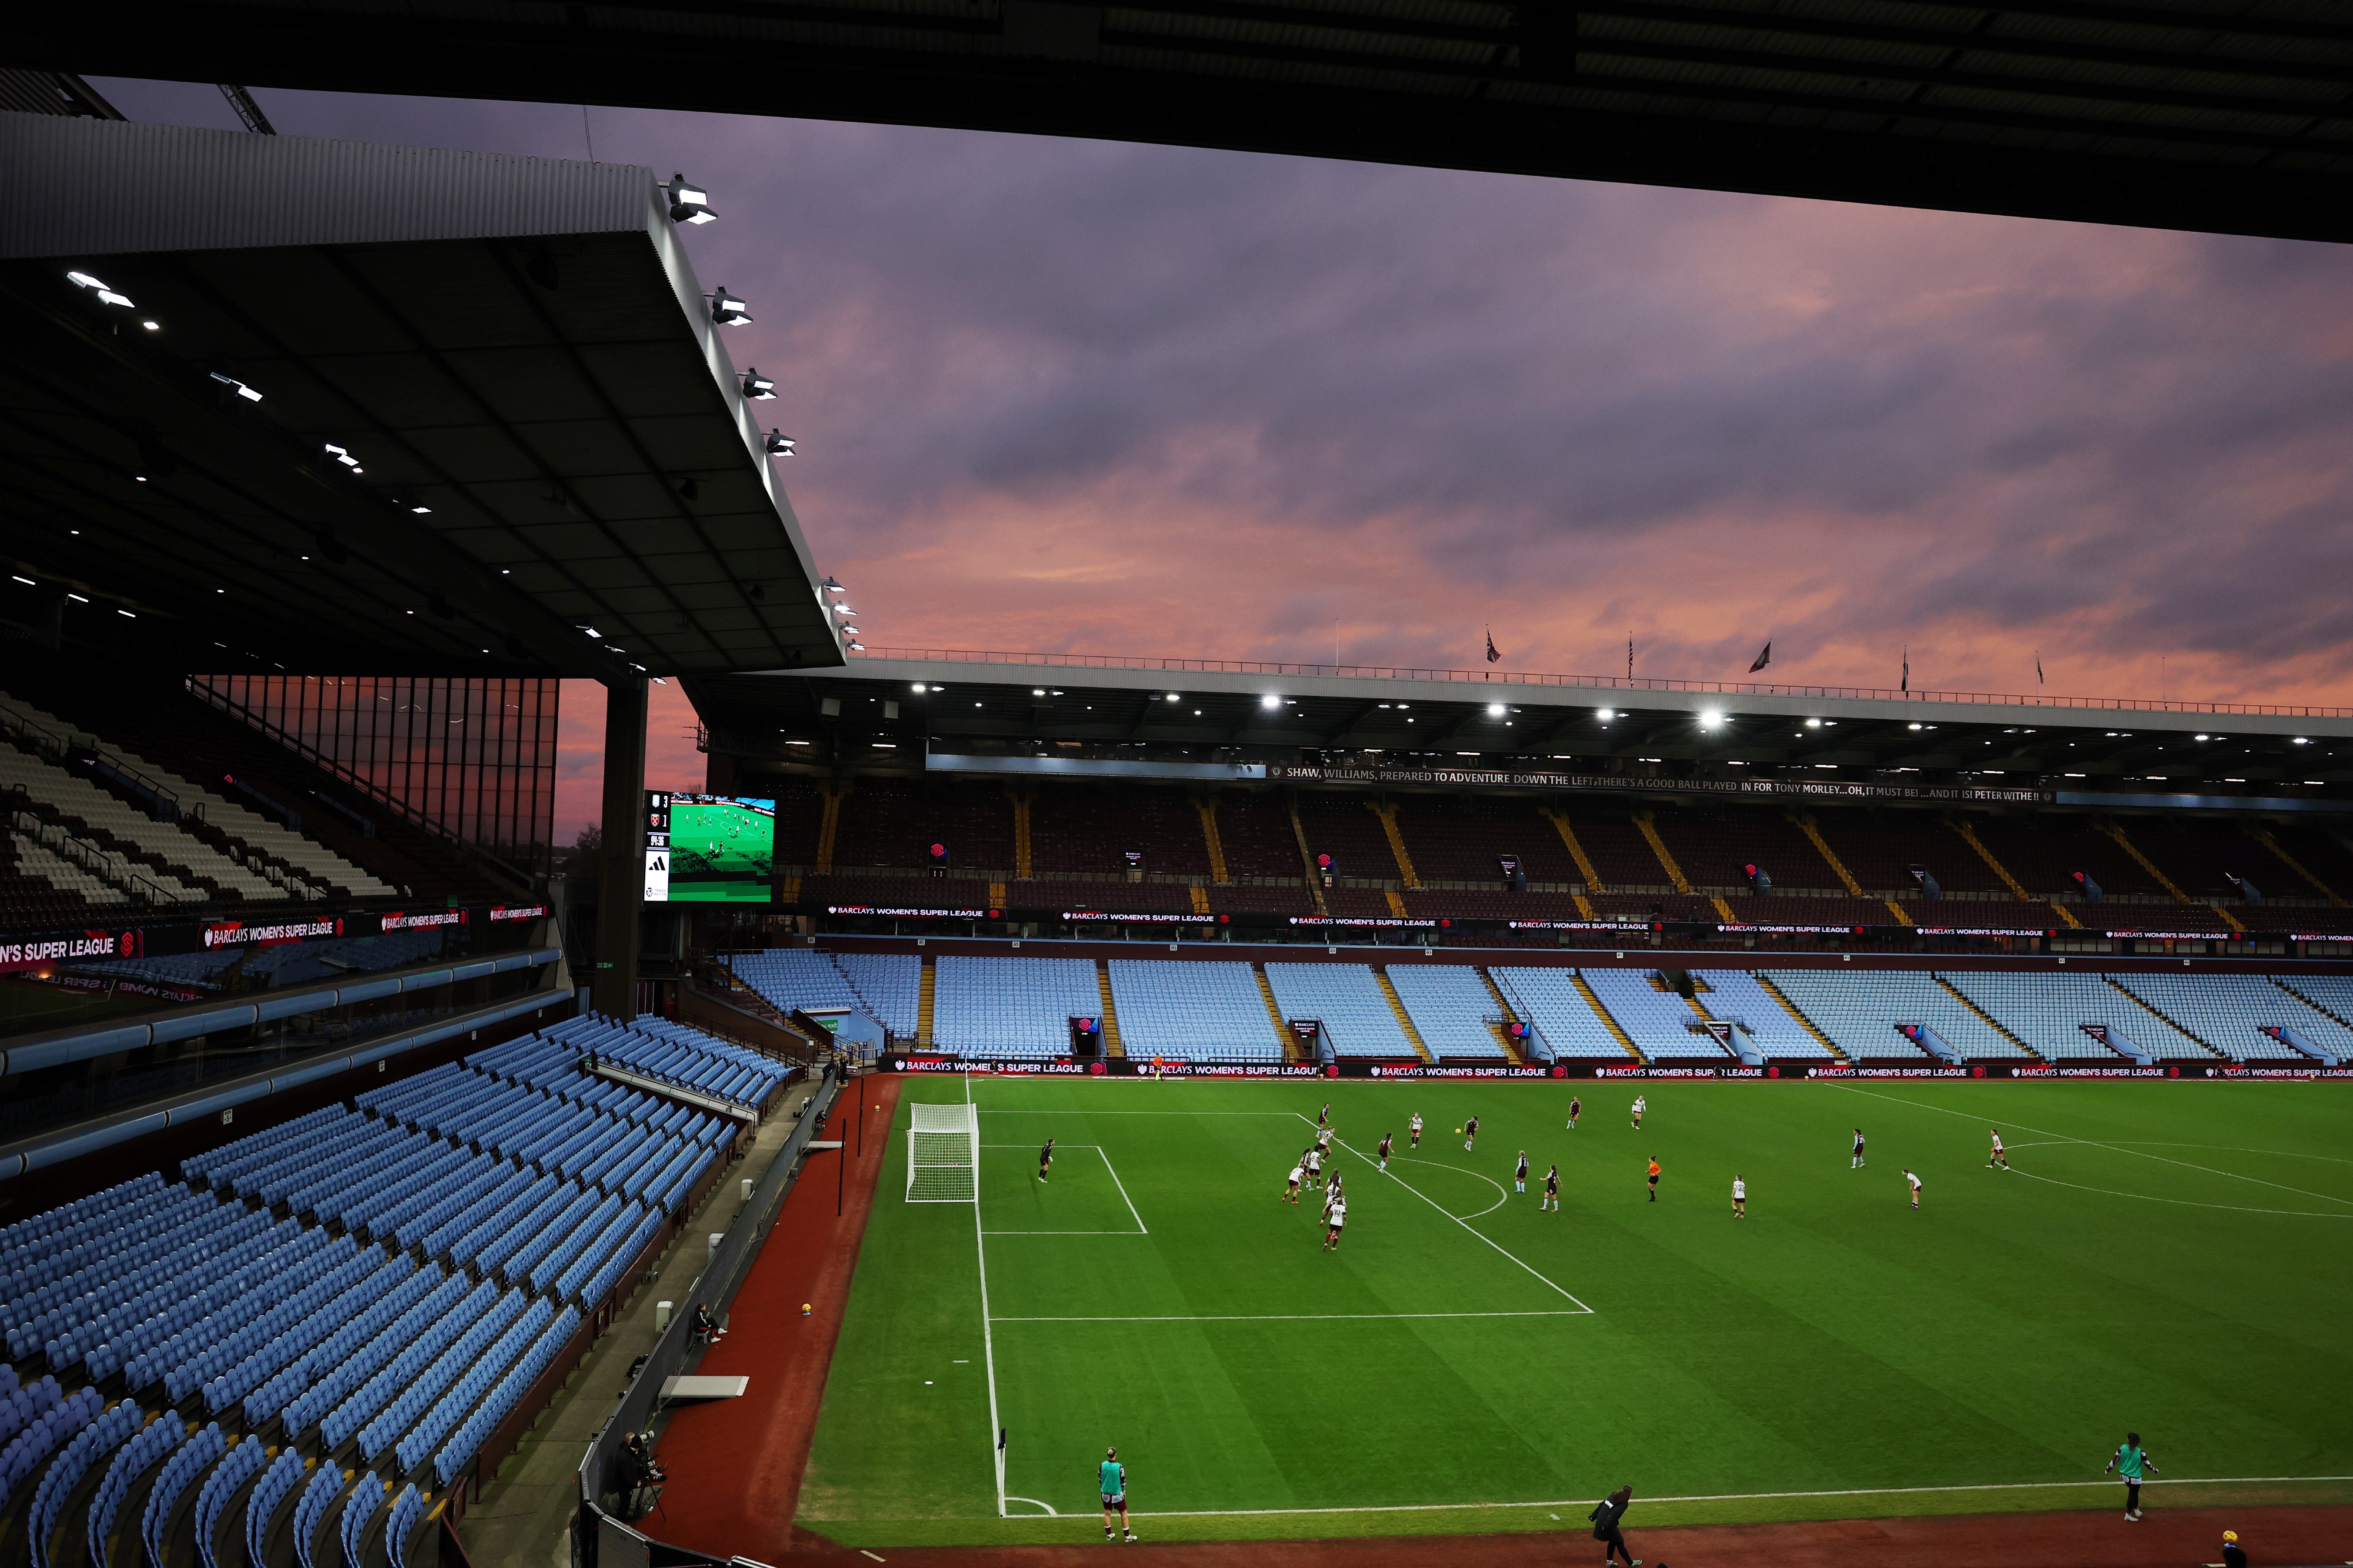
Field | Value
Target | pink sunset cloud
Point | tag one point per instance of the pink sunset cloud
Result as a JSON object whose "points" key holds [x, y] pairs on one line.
{"points": [[1071, 396]]}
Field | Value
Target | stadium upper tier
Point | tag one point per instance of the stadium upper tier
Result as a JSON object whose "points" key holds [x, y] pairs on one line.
{"points": [[285, 1355], [1230, 1010], [123, 799], [1261, 851]]}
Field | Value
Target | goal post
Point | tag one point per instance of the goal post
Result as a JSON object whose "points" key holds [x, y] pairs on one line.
{"points": [[943, 1154]]}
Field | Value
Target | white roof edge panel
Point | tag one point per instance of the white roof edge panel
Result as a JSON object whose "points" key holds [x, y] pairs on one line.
{"points": [[80, 187]]}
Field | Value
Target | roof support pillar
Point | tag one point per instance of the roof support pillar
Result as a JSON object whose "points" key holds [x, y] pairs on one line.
{"points": [[621, 894]]}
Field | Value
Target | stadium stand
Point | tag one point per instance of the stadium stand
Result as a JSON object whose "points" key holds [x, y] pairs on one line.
{"points": [[208, 745], [1563, 1018], [1662, 1026], [1205, 1011], [1449, 1005], [1865, 1012], [1357, 1019], [1711, 845], [892, 822], [2247, 1017], [1464, 837], [2048, 1013], [387, 1281], [1342, 827], [2045, 853], [1254, 830], [1011, 1008], [1620, 855], [1088, 828], [1880, 848], [1762, 1023]]}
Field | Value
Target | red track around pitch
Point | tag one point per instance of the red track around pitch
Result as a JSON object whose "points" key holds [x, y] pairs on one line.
{"points": [[735, 1465]]}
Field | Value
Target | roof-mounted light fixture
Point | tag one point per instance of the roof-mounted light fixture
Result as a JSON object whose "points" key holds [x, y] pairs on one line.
{"points": [[728, 311], [106, 296], [689, 203], [237, 387], [778, 444], [858, 647], [343, 454], [844, 611], [758, 387], [830, 587]]}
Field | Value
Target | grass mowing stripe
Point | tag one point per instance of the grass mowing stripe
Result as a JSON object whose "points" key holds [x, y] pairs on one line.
{"points": [[1748, 1497], [2120, 1149]]}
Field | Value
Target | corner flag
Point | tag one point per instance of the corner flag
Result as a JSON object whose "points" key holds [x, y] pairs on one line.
{"points": [[1762, 658]]}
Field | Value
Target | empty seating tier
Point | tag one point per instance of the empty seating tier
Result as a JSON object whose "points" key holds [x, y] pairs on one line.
{"points": [[1204, 1012]]}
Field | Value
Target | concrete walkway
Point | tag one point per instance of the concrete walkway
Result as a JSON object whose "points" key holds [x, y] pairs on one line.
{"points": [[525, 1515]]}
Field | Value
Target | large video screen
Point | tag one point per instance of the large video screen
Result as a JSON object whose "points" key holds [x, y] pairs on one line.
{"points": [[709, 849]]}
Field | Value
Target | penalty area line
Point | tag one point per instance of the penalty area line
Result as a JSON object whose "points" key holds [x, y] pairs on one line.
{"points": [[1742, 1496]]}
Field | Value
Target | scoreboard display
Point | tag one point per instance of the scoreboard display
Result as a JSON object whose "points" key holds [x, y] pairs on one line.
{"points": [[710, 848]]}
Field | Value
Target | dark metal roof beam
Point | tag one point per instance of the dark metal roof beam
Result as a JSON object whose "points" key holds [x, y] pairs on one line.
{"points": [[595, 385]]}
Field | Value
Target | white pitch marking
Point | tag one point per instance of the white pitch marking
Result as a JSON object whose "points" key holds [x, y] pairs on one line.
{"points": [[1458, 1219], [1140, 1227], [1501, 1197], [987, 1342], [2118, 1148], [1301, 1317], [1050, 1511]]}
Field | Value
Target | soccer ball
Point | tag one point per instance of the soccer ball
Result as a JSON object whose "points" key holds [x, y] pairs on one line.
{"points": [[1457, 1132]]}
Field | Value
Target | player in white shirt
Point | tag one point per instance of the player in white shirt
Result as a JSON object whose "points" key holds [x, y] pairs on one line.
{"points": [[1520, 1176], [1642, 1104], [1290, 1185], [2000, 1156], [1315, 1163], [1913, 1177], [1858, 1151], [1413, 1126], [1739, 1198], [1334, 1221]]}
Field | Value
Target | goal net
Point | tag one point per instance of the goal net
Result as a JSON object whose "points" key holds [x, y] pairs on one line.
{"points": [[943, 1156]]}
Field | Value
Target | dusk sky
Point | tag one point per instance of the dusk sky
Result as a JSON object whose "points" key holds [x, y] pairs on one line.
{"points": [[1057, 396]]}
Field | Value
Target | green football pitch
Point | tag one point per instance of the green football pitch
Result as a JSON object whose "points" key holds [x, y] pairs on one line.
{"points": [[2176, 1258]]}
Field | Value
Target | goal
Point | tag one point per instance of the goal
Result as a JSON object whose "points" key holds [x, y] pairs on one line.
{"points": [[943, 1156]]}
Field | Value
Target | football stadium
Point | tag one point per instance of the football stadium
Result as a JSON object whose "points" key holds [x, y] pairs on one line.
{"points": [[1012, 1104]]}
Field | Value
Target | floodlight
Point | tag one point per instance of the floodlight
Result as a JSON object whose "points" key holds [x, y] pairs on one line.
{"points": [[1605, 714], [830, 587], [920, 689], [758, 387], [27, 581], [1174, 698], [728, 311], [106, 296], [688, 203], [1813, 723], [1269, 700], [593, 631], [1912, 726], [858, 647], [1494, 709], [778, 444], [237, 387], [1037, 691]]}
